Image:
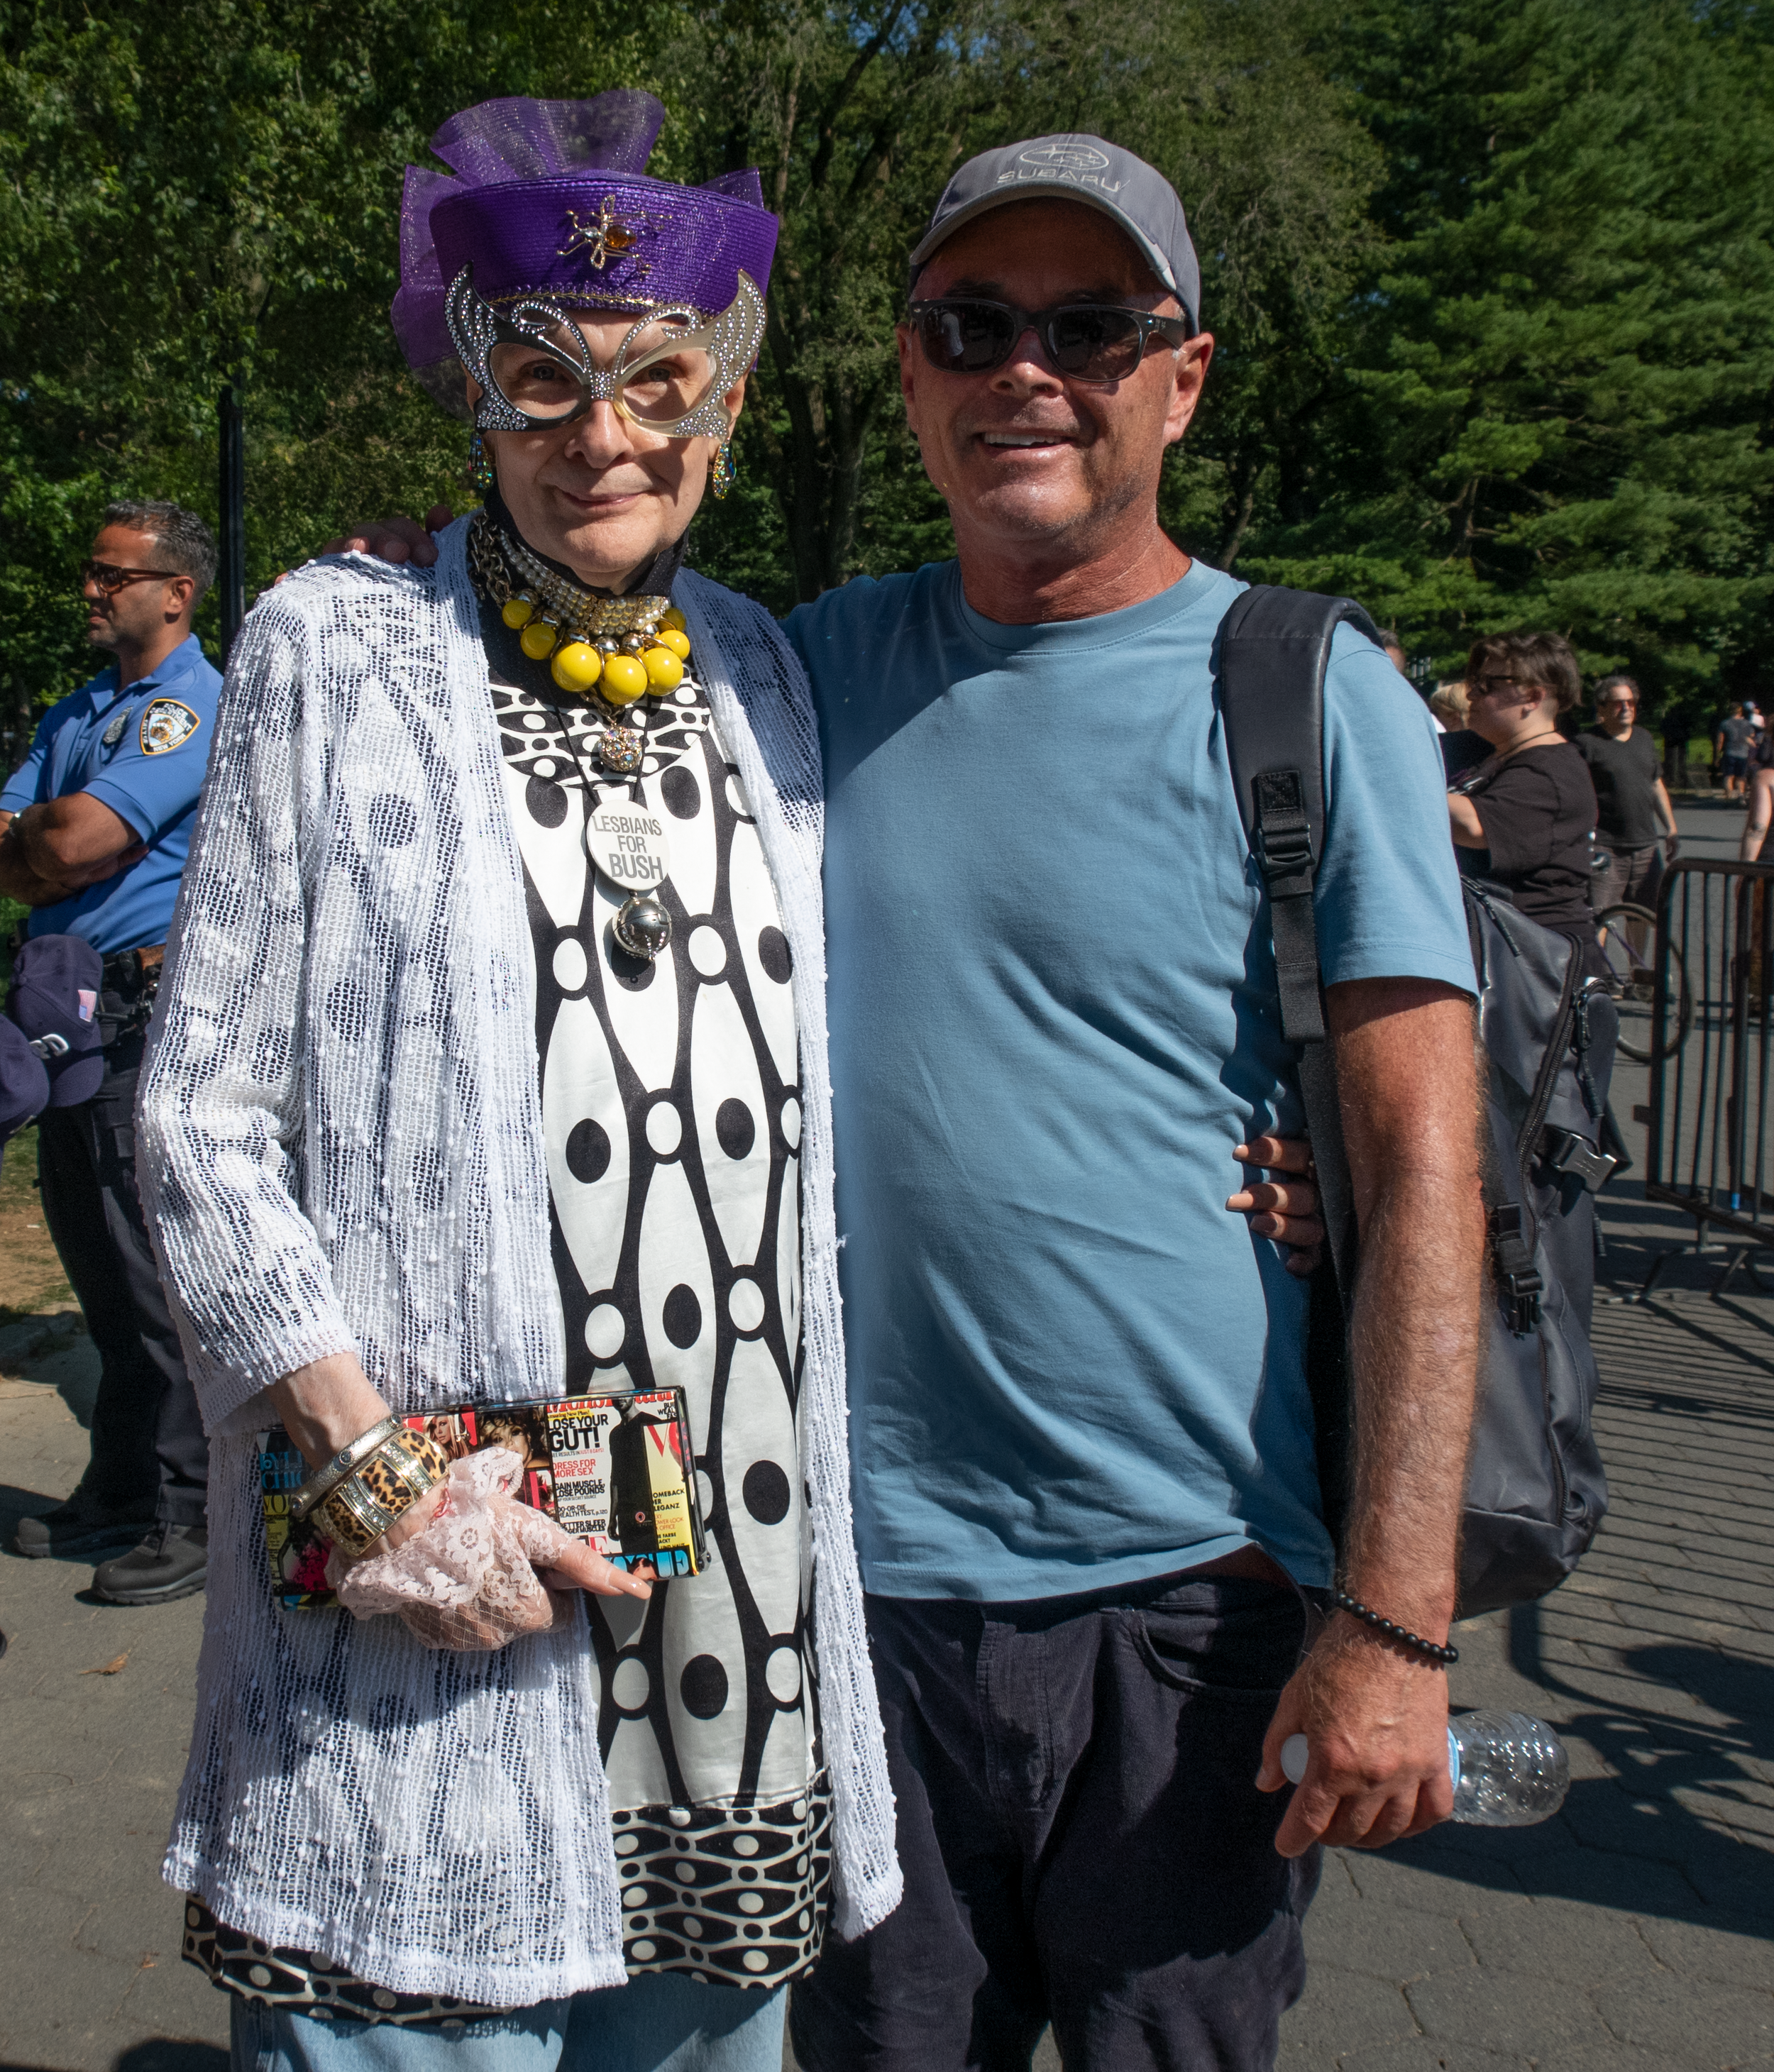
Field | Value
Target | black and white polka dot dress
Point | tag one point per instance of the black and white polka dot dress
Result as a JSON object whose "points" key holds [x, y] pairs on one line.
{"points": [[671, 1121]]}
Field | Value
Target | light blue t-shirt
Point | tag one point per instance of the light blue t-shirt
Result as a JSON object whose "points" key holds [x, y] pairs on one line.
{"points": [[1052, 1016], [142, 752]]}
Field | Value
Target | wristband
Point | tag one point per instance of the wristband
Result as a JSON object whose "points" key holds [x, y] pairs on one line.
{"points": [[328, 1476], [1442, 1657], [405, 1467]]}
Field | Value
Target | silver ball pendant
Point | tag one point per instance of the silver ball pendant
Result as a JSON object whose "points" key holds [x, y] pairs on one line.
{"points": [[642, 926]]}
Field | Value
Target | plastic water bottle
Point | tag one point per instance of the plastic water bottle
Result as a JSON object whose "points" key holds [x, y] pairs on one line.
{"points": [[1506, 1770]]}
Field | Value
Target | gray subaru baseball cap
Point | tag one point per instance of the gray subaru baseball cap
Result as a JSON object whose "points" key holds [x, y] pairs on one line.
{"points": [[1132, 194]]}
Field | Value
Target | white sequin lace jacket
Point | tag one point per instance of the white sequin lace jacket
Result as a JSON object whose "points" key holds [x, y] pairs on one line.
{"points": [[340, 1148]]}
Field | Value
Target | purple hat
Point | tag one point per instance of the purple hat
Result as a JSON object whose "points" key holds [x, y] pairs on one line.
{"points": [[55, 982], [550, 200]]}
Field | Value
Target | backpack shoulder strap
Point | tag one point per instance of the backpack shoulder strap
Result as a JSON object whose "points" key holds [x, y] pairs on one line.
{"points": [[1274, 646]]}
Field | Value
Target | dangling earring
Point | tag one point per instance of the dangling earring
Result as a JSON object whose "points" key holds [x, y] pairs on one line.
{"points": [[481, 471], [724, 470]]}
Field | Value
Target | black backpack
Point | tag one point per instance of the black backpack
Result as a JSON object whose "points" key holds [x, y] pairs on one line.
{"points": [[1535, 1492]]}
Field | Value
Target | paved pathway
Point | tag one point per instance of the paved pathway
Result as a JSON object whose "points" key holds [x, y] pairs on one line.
{"points": [[1633, 1934], [90, 1976]]}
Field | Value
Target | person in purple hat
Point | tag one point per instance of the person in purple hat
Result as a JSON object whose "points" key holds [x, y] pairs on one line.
{"points": [[491, 1069]]}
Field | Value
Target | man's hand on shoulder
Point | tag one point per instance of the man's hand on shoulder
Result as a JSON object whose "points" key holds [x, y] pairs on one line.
{"points": [[397, 540], [1375, 1719]]}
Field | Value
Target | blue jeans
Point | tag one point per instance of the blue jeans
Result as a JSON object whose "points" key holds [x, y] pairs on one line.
{"points": [[660, 2022]]}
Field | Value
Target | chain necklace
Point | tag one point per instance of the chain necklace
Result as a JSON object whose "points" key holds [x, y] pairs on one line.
{"points": [[625, 838], [619, 839], [614, 651]]}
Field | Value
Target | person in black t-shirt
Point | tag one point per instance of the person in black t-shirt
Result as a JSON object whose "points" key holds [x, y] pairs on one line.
{"points": [[1633, 816], [1736, 737], [1523, 818]]}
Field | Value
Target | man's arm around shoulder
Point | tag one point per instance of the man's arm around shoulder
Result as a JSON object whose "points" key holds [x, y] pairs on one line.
{"points": [[1375, 1714]]}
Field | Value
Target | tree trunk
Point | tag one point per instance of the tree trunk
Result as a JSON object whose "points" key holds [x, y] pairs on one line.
{"points": [[1249, 467]]}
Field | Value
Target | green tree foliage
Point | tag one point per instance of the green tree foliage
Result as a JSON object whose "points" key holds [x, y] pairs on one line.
{"points": [[856, 123], [1491, 284], [210, 192], [1554, 407]]}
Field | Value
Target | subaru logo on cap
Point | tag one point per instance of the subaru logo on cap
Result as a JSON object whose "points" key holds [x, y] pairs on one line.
{"points": [[1074, 167], [1066, 157]]}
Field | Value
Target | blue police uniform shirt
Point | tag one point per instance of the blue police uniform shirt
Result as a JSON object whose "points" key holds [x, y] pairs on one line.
{"points": [[1052, 1016], [142, 751]]}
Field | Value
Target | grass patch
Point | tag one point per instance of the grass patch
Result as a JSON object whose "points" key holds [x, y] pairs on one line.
{"points": [[32, 1282]]}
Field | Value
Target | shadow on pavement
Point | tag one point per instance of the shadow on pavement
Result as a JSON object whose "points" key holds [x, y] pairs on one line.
{"points": [[55, 1351], [1640, 1840], [162, 2054], [16, 1503], [165, 2056]]}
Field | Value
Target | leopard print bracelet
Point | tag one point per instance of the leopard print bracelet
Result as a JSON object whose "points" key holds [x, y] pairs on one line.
{"points": [[325, 1479], [401, 1470]]}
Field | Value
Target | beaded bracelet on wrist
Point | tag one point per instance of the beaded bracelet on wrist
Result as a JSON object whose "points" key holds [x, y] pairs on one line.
{"points": [[1441, 1656], [405, 1467], [327, 1478]]}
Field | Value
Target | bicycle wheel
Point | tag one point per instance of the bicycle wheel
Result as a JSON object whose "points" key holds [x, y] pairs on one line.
{"points": [[1627, 933]]}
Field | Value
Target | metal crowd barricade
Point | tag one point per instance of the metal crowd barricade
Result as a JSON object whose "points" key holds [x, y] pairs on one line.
{"points": [[1709, 1151]]}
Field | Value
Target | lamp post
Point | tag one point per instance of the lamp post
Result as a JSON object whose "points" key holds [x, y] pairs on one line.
{"points": [[233, 574]]}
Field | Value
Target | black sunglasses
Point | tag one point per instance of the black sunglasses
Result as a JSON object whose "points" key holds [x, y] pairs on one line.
{"points": [[1093, 342], [110, 578]]}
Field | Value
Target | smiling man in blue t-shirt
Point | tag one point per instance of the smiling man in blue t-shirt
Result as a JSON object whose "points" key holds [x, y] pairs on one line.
{"points": [[94, 827], [1085, 1489]]}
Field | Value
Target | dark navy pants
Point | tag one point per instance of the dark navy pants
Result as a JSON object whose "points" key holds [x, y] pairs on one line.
{"points": [[1082, 1839], [148, 1443]]}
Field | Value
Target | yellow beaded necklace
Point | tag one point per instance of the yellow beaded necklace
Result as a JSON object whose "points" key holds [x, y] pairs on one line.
{"points": [[621, 648]]}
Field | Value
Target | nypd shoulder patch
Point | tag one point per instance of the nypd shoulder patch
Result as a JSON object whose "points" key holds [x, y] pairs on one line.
{"points": [[166, 724]]}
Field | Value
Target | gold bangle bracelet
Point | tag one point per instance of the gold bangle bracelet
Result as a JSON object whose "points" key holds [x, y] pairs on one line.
{"points": [[361, 1509], [326, 1478]]}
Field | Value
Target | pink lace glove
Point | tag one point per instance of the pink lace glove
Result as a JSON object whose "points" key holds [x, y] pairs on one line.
{"points": [[466, 1579]]}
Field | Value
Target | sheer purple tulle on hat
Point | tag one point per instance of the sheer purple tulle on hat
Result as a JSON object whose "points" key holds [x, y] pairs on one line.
{"points": [[531, 183]]}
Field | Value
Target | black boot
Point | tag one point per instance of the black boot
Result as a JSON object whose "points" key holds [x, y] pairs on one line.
{"points": [[172, 1562], [81, 1525]]}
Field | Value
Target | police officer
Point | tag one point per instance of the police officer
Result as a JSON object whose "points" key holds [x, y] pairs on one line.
{"points": [[93, 831]]}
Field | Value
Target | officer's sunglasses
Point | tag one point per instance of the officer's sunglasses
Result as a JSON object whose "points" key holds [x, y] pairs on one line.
{"points": [[1096, 343], [109, 578]]}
